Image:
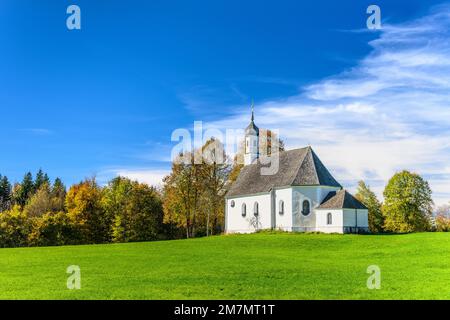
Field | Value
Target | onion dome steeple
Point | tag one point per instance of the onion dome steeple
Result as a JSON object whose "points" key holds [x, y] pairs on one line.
{"points": [[252, 128], [251, 140]]}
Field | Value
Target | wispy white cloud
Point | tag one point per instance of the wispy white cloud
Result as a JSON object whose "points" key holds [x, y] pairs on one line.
{"points": [[153, 177], [205, 100], [155, 151], [390, 112], [37, 131]]}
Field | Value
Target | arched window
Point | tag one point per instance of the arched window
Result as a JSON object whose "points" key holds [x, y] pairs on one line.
{"points": [[329, 218], [306, 208], [244, 209], [281, 207], [256, 209], [233, 203]]}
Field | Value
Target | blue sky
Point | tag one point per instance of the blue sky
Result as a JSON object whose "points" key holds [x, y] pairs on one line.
{"points": [[104, 100]]}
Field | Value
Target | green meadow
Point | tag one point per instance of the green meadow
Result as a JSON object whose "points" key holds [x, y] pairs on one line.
{"points": [[257, 266]]}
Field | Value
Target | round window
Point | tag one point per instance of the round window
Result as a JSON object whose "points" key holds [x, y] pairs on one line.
{"points": [[233, 203]]}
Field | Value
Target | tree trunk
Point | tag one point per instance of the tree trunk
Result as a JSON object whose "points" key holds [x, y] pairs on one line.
{"points": [[207, 225], [187, 227], [214, 221]]}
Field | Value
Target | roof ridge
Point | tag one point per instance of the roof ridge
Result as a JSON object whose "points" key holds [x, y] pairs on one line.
{"points": [[344, 194], [313, 156]]}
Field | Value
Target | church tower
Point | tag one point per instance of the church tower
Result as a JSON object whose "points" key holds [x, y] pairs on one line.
{"points": [[251, 141]]}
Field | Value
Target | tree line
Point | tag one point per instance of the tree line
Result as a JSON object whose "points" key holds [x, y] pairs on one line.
{"points": [[407, 206], [40, 212]]}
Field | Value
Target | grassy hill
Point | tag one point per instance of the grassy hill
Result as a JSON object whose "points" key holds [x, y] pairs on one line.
{"points": [[259, 266]]}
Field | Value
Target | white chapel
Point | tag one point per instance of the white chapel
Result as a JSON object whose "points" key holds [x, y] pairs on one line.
{"points": [[301, 196]]}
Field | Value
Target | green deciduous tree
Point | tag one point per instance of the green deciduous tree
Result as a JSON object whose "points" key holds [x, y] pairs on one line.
{"points": [[407, 203], [136, 210], [369, 199], [145, 214], [115, 200]]}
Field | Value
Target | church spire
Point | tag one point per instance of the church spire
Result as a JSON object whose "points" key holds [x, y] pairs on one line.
{"points": [[253, 110], [252, 128], [251, 140]]}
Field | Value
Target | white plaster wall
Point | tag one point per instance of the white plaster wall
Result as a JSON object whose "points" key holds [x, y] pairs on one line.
{"points": [[315, 195], [363, 218], [350, 218], [284, 221], [236, 223], [337, 220], [251, 149], [292, 219]]}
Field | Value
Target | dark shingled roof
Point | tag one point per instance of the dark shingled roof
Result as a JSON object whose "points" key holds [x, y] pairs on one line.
{"points": [[341, 200], [252, 128], [298, 167]]}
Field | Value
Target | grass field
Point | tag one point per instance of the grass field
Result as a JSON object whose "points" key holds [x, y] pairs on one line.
{"points": [[258, 266]]}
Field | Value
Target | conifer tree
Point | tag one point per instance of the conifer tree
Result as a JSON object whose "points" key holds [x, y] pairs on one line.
{"points": [[369, 199], [5, 193], [41, 179], [58, 194], [24, 191]]}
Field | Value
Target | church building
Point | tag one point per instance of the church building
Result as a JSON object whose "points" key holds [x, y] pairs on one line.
{"points": [[302, 196]]}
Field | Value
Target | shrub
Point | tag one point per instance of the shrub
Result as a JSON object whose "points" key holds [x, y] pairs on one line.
{"points": [[442, 223], [53, 229], [14, 228]]}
